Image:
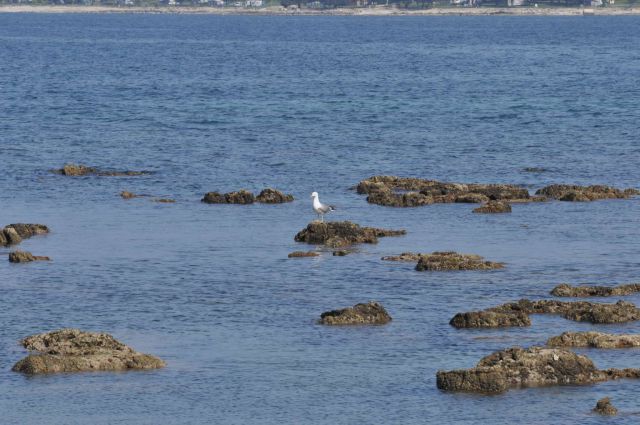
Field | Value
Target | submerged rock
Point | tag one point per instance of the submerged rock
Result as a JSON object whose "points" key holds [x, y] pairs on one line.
{"points": [[579, 311], [73, 350], [25, 257], [489, 319], [532, 367], [130, 195], [341, 253], [411, 192], [372, 313], [594, 340], [604, 407], [566, 290], [337, 234], [573, 193], [404, 257], [494, 207], [445, 261], [78, 170], [301, 254], [273, 196], [239, 197], [164, 200]]}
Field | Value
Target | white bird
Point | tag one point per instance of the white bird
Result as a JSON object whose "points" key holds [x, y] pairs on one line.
{"points": [[320, 208]]}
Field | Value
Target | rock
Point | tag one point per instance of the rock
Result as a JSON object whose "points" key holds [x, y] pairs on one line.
{"points": [[566, 290], [300, 254], [573, 193], [411, 192], [371, 313], [604, 407], [28, 230], [340, 253], [489, 319], [78, 170], [445, 261], [129, 195], [239, 197], [164, 200], [594, 340], [535, 170], [532, 367], [404, 257], [494, 207], [272, 196], [579, 311], [25, 257], [11, 236], [337, 234], [73, 350]]}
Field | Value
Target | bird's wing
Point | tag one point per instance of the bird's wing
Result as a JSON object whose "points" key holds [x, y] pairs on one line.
{"points": [[325, 208]]}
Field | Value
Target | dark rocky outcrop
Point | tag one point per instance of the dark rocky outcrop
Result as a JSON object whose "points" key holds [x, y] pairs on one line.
{"points": [[573, 193], [25, 257], [302, 254], [490, 319], [239, 197], [532, 367], [341, 253], [13, 234], [594, 340], [78, 170], [164, 200], [273, 196], [396, 191], [494, 207], [371, 313], [337, 234], [566, 290], [73, 350], [446, 261], [579, 311], [604, 407], [409, 257]]}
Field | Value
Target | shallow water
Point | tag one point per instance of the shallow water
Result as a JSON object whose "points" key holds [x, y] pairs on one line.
{"points": [[304, 104]]}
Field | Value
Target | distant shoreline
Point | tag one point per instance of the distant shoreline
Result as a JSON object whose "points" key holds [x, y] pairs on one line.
{"points": [[372, 11]]}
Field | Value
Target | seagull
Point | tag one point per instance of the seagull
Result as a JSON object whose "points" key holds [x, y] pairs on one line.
{"points": [[320, 208]]}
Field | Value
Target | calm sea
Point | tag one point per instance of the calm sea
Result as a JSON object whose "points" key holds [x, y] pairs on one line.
{"points": [[307, 104]]}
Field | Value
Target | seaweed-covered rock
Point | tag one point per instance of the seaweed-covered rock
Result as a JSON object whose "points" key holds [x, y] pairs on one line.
{"points": [[341, 253], [73, 350], [411, 257], [532, 367], [13, 234], [411, 192], [445, 261], [25, 257], [371, 313], [302, 254], [78, 170], [273, 196], [573, 193], [337, 234], [604, 407], [239, 197], [494, 207], [594, 340], [164, 200], [489, 319], [566, 290], [579, 311], [129, 195]]}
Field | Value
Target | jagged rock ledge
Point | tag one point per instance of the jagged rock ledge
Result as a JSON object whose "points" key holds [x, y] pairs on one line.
{"points": [[604, 407], [516, 313], [243, 197], [79, 170], [573, 193], [536, 366], [494, 207], [336, 234], [594, 340], [13, 234], [445, 261], [396, 191], [371, 313], [73, 350], [566, 290], [25, 257]]}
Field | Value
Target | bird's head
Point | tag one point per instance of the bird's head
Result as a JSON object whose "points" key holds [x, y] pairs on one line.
{"points": [[314, 195]]}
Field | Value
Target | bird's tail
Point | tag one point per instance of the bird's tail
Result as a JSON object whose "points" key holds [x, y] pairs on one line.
{"points": [[332, 208]]}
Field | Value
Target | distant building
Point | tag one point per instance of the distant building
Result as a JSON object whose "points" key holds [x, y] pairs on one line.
{"points": [[516, 3], [253, 3]]}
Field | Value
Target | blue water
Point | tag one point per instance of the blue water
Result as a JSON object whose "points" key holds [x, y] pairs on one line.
{"points": [[304, 104]]}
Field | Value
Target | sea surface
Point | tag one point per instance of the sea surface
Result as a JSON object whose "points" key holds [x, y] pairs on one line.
{"points": [[302, 104]]}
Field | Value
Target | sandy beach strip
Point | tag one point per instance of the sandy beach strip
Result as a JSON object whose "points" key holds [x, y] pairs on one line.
{"points": [[371, 11]]}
